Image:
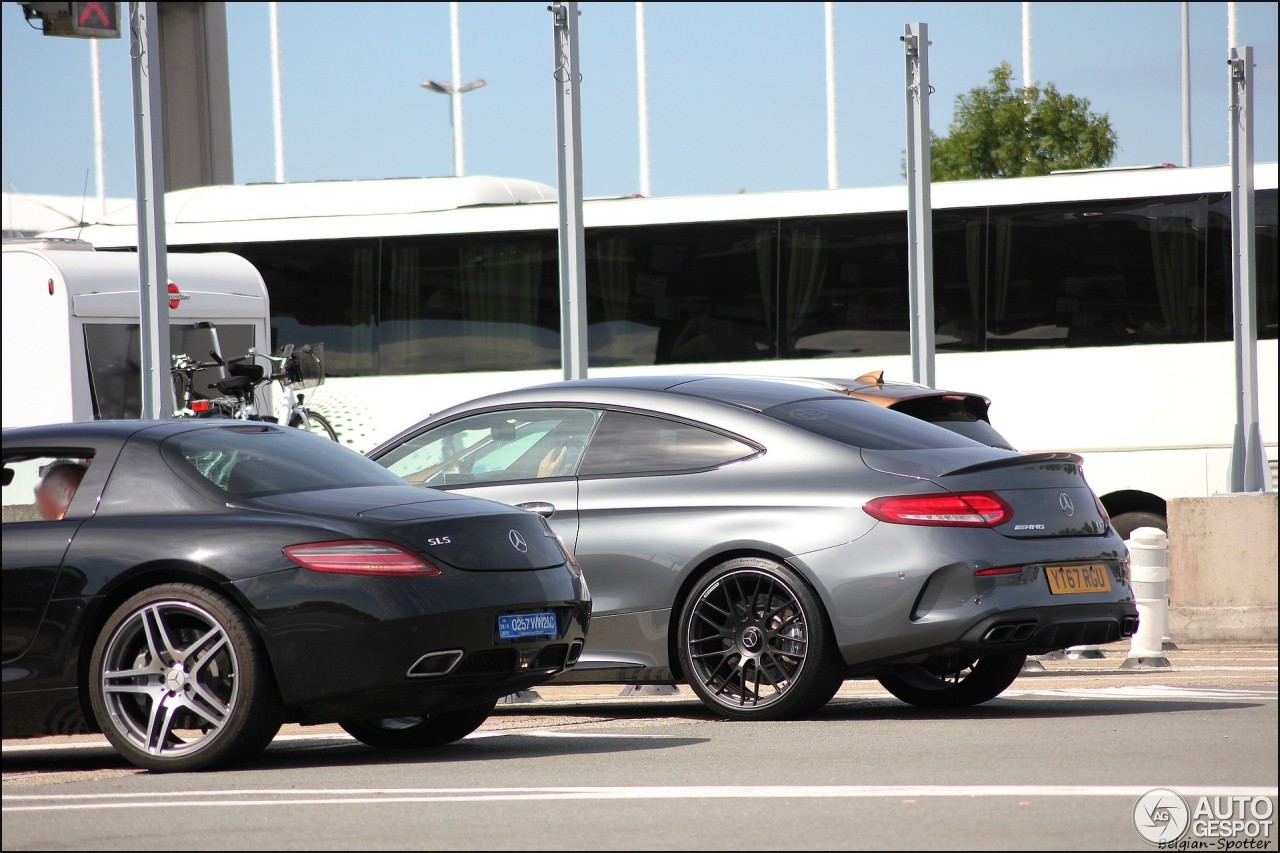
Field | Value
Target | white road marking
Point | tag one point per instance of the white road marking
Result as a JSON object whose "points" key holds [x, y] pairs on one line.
{"points": [[1147, 691], [364, 796]]}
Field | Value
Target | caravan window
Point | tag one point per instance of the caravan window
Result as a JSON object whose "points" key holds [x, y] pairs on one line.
{"points": [[115, 361]]}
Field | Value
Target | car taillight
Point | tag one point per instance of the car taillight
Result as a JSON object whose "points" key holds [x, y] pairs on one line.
{"points": [[969, 509], [359, 557], [998, 570]]}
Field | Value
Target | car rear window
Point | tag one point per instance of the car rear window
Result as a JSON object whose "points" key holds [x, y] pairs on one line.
{"points": [[858, 423], [629, 443], [252, 461]]}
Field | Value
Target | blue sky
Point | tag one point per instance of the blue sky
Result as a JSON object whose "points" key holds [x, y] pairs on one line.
{"points": [[736, 90]]}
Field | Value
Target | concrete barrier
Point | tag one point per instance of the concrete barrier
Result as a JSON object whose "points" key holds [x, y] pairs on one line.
{"points": [[1222, 569]]}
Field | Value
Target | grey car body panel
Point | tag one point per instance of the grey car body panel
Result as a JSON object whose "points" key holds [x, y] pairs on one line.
{"points": [[890, 589]]}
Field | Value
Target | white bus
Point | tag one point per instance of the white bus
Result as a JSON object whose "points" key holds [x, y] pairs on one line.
{"points": [[1094, 309]]}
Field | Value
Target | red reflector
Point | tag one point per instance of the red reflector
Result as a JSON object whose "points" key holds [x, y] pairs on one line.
{"points": [[1003, 570], [359, 557], [51, 287], [971, 509], [200, 406]]}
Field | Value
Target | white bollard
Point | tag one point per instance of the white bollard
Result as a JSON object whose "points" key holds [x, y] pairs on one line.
{"points": [[1149, 577]]}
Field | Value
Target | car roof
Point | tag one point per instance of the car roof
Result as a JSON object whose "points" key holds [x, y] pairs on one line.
{"points": [[747, 392], [117, 429]]}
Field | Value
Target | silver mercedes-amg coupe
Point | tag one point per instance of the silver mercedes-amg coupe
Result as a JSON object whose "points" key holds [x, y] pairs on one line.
{"points": [[764, 541]]}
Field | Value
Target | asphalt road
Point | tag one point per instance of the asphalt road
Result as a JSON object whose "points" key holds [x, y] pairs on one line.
{"points": [[1060, 761]]}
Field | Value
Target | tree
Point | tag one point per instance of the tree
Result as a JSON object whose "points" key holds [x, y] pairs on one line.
{"points": [[1002, 132]]}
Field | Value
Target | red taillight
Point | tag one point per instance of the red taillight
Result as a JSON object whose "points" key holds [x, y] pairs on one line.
{"points": [[1001, 570], [200, 406], [970, 509], [359, 557]]}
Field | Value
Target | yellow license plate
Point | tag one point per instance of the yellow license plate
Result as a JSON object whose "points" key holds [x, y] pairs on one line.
{"points": [[1067, 580]]}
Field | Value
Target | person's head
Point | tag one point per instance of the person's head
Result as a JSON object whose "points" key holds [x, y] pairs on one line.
{"points": [[55, 491]]}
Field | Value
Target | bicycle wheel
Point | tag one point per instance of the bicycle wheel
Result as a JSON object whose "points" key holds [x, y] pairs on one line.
{"points": [[319, 425]]}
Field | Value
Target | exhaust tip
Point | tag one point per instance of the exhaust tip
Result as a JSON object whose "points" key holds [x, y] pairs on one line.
{"points": [[435, 664]]}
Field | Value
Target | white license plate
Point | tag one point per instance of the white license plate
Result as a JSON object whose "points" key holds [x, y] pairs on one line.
{"points": [[519, 626]]}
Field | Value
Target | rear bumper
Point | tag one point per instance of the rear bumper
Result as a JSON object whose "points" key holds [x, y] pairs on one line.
{"points": [[344, 647], [1044, 629]]}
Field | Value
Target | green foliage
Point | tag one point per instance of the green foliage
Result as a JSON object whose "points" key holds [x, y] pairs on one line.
{"points": [[1002, 132]]}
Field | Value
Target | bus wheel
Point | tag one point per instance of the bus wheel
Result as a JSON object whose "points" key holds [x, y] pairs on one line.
{"points": [[1127, 522]]}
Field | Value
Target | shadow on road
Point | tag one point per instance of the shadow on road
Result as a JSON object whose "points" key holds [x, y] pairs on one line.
{"points": [[286, 754]]}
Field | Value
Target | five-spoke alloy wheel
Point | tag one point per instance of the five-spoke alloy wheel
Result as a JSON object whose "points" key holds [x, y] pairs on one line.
{"points": [[178, 681], [755, 642]]}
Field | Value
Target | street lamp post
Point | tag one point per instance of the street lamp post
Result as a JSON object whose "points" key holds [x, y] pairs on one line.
{"points": [[455, 90], [455, 113]]}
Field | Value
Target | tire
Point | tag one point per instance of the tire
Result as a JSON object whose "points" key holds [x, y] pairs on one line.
{"points": [[952, 683], [319, 424], [755, 642], [178, 681], [1127, 522], [425, 732]]}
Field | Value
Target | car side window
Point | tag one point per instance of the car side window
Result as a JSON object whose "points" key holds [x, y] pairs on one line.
{"points": [[629, 443], [502, 446], [40, 487]]}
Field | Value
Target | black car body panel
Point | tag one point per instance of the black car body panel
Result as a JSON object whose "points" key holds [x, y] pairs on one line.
{"points": [[340, 645]]}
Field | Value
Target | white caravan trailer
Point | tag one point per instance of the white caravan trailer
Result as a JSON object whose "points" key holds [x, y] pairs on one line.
{"points": [[72, 344]]}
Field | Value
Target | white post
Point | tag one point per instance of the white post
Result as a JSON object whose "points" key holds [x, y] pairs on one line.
{"points": [[277, 116], [1149, 577], [1248, 459], [642, 100], [1027, 77], [573, 298], [1186, 84], [99, 145], [833, 178], [919, 205], [455, 95], [148, 156]]}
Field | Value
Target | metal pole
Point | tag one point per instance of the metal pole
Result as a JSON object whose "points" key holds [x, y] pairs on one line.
{"points": [[455, 95], [277, 116], [919, 206], [153, 274], [1028, 79], [1248, 463], [642, 90], [833, 178], [1186, 83], [573, 301], [99, 146]]}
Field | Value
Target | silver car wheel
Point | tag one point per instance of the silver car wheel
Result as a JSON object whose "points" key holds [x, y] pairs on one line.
{"points": [[169, 678], [178, 680], [748, 639]]}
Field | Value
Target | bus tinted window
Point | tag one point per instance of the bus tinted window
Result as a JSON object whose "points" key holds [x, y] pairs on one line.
{"points": [[682, 294], [1099, 273], [321, 290], [469, 302]]}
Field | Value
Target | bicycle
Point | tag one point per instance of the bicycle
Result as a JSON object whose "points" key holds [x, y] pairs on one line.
{"points": [[293, 369]]}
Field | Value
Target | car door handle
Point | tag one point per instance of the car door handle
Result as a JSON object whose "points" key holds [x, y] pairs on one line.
{"points": [[542, 508]]}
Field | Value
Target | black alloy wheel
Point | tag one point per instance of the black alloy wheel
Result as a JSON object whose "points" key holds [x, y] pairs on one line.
{"points": [[952, 682], [755, 642]]}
